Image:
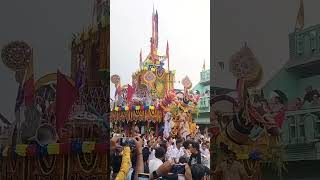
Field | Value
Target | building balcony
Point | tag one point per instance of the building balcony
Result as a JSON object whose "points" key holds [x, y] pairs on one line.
{"points": [[205, 77], [304, 68], [301, 134], [204, 120], [305, 52], [204, 104]]}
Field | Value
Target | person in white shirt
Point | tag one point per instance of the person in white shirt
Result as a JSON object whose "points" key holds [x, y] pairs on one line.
{"points": [[158, 160], [170, 145], [178, 151], [152, 144], [169, 153], [205, 153], [204, 149]]}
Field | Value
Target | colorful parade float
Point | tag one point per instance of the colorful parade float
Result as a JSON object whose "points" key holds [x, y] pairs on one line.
{"points": [[61, 126], [252, 132], [152, 103]]}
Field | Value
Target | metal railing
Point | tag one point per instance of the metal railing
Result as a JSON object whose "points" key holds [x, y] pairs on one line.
{"points": [[301, 134]]}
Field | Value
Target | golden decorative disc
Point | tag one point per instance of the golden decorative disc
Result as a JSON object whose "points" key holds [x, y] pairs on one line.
{"points": [[115, 79], [244, 65], [16, 55]]}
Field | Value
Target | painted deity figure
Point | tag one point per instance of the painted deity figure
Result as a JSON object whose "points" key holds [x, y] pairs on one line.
{"points": [[184, 125], [168, 124], [124, 95], [142, 95]]}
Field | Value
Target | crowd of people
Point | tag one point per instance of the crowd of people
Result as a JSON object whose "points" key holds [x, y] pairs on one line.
{"points": [[311, 99], [230, 168], [166, 158]]}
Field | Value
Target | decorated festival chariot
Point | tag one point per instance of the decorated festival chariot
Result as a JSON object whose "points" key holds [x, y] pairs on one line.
{"points": [[61, 125], [151, 103], [252, 132]]}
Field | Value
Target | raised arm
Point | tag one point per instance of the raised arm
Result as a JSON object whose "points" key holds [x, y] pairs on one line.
{"points": [[139, 165]]}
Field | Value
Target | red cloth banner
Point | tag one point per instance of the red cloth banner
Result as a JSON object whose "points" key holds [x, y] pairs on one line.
{"points": [[65, 98]]}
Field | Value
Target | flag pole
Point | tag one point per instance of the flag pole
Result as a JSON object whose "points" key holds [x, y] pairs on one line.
{"points": [[167, 54], [300, 17], [141, 59], [169, 75], [93, 11]]}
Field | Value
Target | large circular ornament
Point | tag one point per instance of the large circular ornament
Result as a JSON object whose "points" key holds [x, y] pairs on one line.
{"points": [[115, 79], [186, 82], [16, 55], [244, 65]]}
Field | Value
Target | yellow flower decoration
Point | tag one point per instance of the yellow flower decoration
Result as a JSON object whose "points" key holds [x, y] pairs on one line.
{"points": [[125, 164]]}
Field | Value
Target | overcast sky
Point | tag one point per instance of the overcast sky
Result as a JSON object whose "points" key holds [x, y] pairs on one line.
{"points": [[185, 24], [265, 25], [47, 26]]}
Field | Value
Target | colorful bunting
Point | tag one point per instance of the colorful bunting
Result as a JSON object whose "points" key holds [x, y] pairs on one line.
{"points": [[65, 148], [43, 150], [32, 150], [21, 149], [52, 149], [136, 108], [76, 147], [88, 147]]}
